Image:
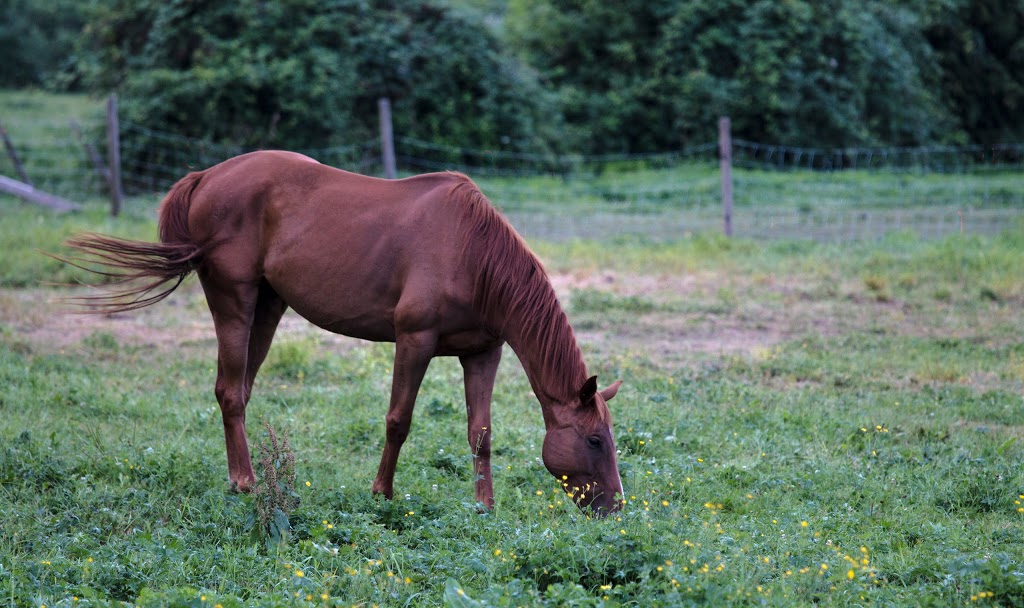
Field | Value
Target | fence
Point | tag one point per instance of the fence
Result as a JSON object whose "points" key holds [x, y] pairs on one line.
{"points": [[777, 191], [53, 160]]}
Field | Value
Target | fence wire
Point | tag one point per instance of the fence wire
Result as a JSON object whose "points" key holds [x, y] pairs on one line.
{"points": [[780, 191], [56, 158], [152, 161]]}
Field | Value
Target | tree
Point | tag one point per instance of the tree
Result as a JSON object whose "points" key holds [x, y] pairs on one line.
{"points": [[304, 73], [598, 57], [645, 76], [802, 73], [979, 45], [37, 37]]}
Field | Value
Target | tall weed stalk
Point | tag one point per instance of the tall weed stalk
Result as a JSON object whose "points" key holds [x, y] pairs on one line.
{"points": [[274, 494]]}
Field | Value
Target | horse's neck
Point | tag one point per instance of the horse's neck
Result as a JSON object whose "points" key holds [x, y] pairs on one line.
{"points": [[550, 356], [514, 296]]}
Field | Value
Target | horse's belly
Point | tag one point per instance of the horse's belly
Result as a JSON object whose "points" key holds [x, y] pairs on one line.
{"points": [[363, 324], [457, 335], [367, 330], [468, 342]]}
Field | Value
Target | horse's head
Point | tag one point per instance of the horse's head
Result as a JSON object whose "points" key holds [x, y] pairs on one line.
{"points": [[579, 450]]}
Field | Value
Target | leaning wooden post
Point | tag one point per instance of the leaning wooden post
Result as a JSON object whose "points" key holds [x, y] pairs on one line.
{"points": [[387, 138], [13, 155], [93, 154], [725, 166], [114, 156], [28, 193]]}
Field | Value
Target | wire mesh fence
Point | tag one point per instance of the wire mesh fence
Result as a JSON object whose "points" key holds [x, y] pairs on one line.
{"points": [[868, 193], [816, 206], [55, 157], [780, 191], [941, 159], [153, 161]]}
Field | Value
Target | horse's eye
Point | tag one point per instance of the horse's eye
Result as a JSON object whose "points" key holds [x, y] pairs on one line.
{"points": [[594, 442]]}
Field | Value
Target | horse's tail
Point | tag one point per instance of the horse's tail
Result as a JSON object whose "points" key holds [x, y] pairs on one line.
{"points": [[139, 271]]}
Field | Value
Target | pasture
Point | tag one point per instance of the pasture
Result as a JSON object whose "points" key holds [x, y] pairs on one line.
{"points": [[800, 424]]}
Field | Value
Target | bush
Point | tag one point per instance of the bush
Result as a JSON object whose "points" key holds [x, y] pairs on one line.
{"points": [[302, 74]]}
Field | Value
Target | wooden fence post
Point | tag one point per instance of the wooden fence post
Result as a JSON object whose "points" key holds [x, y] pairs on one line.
{"points": [[114, 156], [13, 155], [725, 167], [387, 139]]}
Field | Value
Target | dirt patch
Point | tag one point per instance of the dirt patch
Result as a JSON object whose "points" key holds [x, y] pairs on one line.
{"points": [[686, 318], [45, 319], [695, 316]]}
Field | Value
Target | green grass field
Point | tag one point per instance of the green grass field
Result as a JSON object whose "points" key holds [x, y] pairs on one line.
{"points": [[801, 424], [39, 126]]}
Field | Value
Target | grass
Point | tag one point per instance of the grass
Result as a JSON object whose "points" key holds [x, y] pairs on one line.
{"points": [[24, 109], [27, 230], [874, 460], [39, 126]]}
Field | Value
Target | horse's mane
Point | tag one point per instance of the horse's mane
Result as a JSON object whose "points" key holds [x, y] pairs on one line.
{"points": [[512, 288]]}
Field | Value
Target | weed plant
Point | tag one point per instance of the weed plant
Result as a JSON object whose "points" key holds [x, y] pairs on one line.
{"points": [[274, 493]]}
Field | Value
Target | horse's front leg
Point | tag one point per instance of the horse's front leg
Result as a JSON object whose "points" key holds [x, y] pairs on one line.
{"points": [[479, 371], [413, 352]]}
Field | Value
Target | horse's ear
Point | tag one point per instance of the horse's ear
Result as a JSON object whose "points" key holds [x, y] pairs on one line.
{"points": [[610, 392], [588, 391]]}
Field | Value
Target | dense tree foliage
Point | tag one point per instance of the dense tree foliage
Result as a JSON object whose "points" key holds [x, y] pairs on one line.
{"points": [[299, 73], [979, 45], [657, 74], [600, 58], [36, 39], [538, 75]]}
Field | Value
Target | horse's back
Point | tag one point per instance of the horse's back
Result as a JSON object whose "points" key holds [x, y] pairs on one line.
{"points": [[292, 184], [344, 250]]}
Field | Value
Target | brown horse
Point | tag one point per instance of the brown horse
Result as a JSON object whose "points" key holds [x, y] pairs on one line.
{"points": [[425, 262]]}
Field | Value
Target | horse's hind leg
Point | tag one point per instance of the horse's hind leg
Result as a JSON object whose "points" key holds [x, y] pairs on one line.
{"points": [[244, 317], [269, 309]]}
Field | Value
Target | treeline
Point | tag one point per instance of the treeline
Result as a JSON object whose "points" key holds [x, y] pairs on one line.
{"points": [[537, 76]]}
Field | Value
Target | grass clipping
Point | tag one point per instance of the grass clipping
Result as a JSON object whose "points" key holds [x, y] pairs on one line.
{"points": [[274, 494]]}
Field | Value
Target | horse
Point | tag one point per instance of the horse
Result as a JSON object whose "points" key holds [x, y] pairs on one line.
{"points": [[425, 262]]}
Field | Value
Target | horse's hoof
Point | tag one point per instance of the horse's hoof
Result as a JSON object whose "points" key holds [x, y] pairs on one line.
{"points": [[386, 493]]}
